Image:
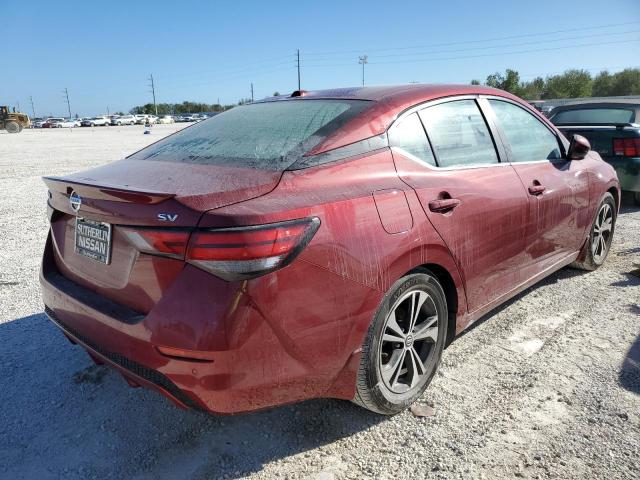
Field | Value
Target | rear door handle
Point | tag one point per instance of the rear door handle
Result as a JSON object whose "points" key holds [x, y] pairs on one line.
{"points": [[536, 189], [443, 205]]}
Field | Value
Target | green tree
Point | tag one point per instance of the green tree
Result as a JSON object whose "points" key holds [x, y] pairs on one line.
{"points": [[570, 84], [626, 82], [475, 82], [602, 84], [510, 81], [532, 90]]}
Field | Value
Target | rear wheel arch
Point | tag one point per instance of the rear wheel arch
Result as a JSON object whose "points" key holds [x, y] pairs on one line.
{"points": [[450, 292]]}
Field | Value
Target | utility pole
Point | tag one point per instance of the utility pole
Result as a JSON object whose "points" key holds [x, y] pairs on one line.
{"points": [[153, 91], [252, 91], [33, 109], [363, 61], [18, 102], [298, 65], [66, 94]]}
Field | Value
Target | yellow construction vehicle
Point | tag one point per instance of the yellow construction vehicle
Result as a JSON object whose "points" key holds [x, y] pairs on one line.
{"points": [[13, 122]]}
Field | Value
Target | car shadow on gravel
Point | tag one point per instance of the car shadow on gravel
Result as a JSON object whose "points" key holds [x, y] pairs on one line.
{"points": [[562, 274], [63, 417], [629, 376]]}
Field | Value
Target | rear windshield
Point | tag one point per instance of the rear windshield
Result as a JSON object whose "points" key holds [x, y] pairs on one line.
{"points": [[268, 136], [594, 115]]}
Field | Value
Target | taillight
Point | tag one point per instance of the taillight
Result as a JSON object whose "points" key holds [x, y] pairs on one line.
{"points": [[245, 252], [236, 253], [167, 243], [626, 147]]}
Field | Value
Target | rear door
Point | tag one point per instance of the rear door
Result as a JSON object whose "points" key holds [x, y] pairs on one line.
{"points": [[476, 203], [558, 189]]}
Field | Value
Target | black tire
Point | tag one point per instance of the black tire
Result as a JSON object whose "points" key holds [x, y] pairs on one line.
{"points": [[12, 127], [591, 258], [374, 391], [636, 198]]}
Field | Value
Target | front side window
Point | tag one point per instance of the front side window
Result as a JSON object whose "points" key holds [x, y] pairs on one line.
{"points": [[408, 135], [528, 138], [269, 135], [459, 134]]}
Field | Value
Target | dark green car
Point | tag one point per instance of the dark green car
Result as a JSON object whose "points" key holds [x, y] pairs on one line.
{"points": [[613, 129]]}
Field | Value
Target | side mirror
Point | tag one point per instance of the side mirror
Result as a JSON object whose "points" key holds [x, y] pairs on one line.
{"points": [[578, 148]]}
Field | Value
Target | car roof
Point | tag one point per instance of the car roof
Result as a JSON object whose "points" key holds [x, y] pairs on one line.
{"points": [[389, 102]]}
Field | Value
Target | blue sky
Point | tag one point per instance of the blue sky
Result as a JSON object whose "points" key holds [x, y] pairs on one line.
{"points": [[103, 51]]}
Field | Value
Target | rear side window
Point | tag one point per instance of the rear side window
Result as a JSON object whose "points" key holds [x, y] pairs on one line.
{"points": [[269, 135], [528, 138], [409, 136], [594, 115], [459, 134]]}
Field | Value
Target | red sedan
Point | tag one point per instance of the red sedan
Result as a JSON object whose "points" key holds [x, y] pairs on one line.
{"points": [[329, 244]]}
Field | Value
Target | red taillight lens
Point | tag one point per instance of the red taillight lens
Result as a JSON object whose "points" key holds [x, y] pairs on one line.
{"points": [[247, 252], [627, 147], [168, 243]]}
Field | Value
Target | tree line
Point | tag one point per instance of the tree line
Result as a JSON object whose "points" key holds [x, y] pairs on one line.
{"points": [[570, 84], [178, 108], [186, 107]]}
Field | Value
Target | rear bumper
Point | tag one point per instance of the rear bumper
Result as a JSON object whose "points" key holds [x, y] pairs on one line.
{"points": [[135, 373], [628, 170], [267, 344]]}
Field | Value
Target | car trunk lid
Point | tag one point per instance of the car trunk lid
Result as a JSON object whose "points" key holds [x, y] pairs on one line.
{"points": [[139, 194]]}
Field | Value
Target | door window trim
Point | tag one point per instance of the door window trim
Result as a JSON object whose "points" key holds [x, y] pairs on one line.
{"points": [[501, 153]]}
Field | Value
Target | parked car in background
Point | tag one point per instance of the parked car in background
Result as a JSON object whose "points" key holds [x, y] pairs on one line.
{"points": [[166, 119], [96, 122], [52, 122], [124, 120], [613, 128], [68, 123], [325, 245], [140, 119]]}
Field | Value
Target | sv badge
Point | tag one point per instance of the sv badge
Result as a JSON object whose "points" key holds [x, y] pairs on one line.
{"points": [[167, 217]]}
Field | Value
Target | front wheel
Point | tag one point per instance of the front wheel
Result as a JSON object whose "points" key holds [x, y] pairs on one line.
{"points": [[403, 346], [12, 127], [598, 244]]}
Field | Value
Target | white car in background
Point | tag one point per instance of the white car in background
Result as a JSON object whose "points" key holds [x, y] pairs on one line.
{"points": [[166, 119], [123, 120], [96, 122], [68, 123]]}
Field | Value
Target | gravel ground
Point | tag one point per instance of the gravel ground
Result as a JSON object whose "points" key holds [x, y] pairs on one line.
{"points": [[547, 386]]}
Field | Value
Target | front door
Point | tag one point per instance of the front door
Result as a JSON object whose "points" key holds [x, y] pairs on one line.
{"points": [[476, 203], [558, 189]]}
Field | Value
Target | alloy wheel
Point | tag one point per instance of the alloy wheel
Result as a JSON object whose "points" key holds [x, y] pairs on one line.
{"points": [[408, 340], [602, 229]]}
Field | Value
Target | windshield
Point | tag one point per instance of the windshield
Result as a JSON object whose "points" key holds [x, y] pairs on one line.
{"points": [[269, 135], [593, 116]]}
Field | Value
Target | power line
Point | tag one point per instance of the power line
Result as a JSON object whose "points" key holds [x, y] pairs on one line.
{"points": [[466, 42], [488, 47], [462, 57]]}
